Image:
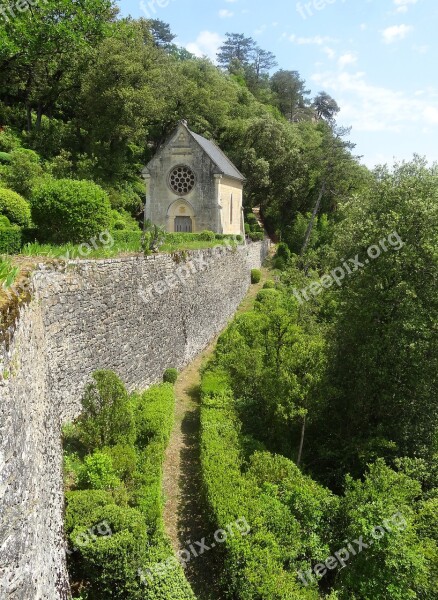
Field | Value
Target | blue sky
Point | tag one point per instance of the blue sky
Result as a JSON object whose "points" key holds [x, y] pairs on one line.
{"points": [[377, 58]]}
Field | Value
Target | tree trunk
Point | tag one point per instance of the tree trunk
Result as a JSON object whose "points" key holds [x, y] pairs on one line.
{"points": [[303, 433], [29, 118], [39, 117], [312, 220]]}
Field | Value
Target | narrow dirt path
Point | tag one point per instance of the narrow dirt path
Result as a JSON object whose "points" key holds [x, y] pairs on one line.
{"points": [[185, 518]]}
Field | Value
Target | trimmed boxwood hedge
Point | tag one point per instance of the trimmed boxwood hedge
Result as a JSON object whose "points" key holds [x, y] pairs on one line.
{"points": [[256, 275], [127, 237], [268, 491], [113, 565], [11, 240]]}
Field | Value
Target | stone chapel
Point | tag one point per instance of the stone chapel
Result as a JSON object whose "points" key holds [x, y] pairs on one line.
{"points": [[192, 186]]}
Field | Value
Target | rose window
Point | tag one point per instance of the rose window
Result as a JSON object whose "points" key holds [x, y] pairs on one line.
{"points": [[182, 180]]}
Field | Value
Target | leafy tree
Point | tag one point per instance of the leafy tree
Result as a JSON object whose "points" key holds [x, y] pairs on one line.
{"points": [[393, 563], [325, 107], [163, 37], [41, 46], [116, 101], [384, 342], [236, 52], [291, 95]]}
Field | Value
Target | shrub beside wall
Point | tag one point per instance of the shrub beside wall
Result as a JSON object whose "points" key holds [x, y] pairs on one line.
{"points": [[10, 239], [65, 210], [115, 487]]}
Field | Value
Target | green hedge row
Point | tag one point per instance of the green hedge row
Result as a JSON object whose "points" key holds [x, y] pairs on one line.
{"points": [[128, 237], [180, 238], [11, 240], [128, 503], [270, 492]]}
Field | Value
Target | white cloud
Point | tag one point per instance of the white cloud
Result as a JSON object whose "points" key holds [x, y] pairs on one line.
{"points": [[368, 107], [402, 6], [347, 59], [225, 13], [206, 44], [396, 33], [330, 52]]}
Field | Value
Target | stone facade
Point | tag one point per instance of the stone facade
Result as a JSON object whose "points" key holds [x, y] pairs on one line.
{"points": [[192, 186], [136, 316]]}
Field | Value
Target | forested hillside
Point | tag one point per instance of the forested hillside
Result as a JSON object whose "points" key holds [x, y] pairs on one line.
{"points": [[86, 95]]}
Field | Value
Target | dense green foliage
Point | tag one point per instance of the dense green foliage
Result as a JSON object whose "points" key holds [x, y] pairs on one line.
{"points": [[243, 485], [268, 397], [383, 327], [70, 211], [14, 207], [10, 239], [113, 475]]}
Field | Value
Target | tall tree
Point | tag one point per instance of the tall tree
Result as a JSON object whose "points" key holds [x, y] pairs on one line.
{"points": [[236, 52], [325, 107], [161, 33], [291, 95], [384, 340]]}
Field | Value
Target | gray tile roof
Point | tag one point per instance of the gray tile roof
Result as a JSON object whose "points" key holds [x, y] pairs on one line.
{"points": [[222, 162]]}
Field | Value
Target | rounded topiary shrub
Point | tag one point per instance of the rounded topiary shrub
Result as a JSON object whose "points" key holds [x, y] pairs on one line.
{"points": [[66, 210], [279, 263], [269, 285], [14, 207], [256, 275], [170, 376], [283, 251], [207, 236]]}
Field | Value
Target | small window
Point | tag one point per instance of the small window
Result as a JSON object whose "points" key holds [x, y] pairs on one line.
{"points": [[231, 210]]}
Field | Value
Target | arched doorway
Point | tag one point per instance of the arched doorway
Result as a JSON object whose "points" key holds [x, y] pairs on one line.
{"points": [[183, 225], [181, 217]]}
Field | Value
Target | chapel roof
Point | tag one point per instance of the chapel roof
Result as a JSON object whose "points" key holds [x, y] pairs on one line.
{"points": [[219, 158]]}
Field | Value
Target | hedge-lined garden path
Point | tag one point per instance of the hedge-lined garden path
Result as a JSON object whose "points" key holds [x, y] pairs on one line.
{"points": [[185, 515]]}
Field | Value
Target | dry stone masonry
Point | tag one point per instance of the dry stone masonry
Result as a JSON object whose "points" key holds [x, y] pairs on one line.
{"points": [[136, 316]]}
